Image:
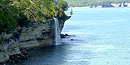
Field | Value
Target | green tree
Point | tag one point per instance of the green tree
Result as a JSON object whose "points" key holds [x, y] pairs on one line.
{"points": [[61, 5], [20, 12], [7, 21], [71, 12]]}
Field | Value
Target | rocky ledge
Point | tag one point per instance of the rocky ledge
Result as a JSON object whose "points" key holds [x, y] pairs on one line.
{"points": [[34, 36]]}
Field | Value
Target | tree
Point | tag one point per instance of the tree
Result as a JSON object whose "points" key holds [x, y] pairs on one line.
{"points": [[20, 12], [71, 12], [7, 21], [61, 5]]}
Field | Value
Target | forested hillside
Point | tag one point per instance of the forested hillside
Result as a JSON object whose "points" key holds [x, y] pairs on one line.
{"points": [[80, 3], [15, 13]]}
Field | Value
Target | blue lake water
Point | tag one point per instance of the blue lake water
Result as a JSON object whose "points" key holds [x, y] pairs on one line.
{"points": [[101, 36]]}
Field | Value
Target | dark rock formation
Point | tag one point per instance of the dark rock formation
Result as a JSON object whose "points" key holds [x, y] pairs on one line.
{"points": [[64, 35], [24, 55], [34, 36]]}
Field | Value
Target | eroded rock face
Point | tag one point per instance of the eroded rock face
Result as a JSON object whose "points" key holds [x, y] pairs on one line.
{"points": [[9, 45], [35, 35]]}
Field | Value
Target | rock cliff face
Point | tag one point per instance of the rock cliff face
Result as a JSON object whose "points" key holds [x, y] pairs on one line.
{"points": [[33, 36], [37, 35]]}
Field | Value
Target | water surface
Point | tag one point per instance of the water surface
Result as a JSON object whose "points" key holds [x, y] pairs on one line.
{"points": [[101, 36]]}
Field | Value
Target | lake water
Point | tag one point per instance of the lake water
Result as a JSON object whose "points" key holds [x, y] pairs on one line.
{"points": [[101, 36]]}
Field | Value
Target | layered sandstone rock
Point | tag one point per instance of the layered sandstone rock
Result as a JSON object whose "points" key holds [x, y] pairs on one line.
{"points": [[33, 36]]}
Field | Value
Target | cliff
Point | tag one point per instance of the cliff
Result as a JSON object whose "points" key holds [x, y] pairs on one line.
{"points": [[33, 36]]}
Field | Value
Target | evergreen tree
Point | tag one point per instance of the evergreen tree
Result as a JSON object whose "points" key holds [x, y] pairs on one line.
{"points": [[20, 12], [71, 12], [61, 5]]}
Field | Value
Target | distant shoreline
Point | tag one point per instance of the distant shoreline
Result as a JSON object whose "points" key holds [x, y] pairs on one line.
{"points": [[79, 7], [104, 6], [89, 7]]}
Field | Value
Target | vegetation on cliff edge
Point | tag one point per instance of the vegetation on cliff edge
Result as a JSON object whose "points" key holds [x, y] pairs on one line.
{"points": [[20, 12]]}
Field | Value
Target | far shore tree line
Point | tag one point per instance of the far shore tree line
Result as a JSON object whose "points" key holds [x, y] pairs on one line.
{"points": [[83, 3]]}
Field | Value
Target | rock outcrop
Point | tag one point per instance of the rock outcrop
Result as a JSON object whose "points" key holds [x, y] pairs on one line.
{"points": [[33, 36]]}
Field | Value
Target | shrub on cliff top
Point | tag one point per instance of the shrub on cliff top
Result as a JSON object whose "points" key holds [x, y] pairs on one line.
{"points": [[19, 12], [7, 21], [61, 5]]}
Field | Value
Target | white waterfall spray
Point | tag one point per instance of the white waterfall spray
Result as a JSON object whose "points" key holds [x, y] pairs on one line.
{"points": [[57, 32]]}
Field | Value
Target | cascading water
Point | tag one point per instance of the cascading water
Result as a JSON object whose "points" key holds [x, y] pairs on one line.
{"points": [[57, 32]]}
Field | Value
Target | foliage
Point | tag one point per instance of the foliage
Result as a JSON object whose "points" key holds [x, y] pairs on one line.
{"points": [[56, 1], [61, 5], [71, 12], [7, 21], [20, 12]]}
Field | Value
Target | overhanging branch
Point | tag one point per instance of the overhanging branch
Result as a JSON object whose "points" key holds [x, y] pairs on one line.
{"points": [[7, 6]]}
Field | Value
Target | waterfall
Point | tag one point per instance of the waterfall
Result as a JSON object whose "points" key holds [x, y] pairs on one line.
{"points": [[57, 32]]}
